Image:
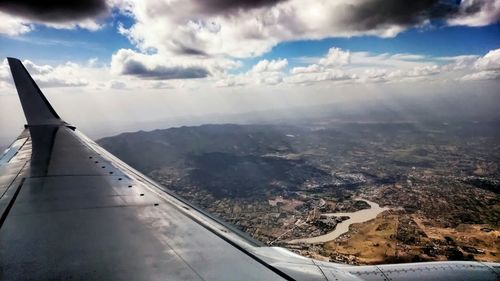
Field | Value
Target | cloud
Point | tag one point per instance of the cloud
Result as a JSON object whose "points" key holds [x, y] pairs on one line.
{"points": [[476, 13], [372, 14], [241, 29], [307, 69], [337, 66], [46, 76], [324, 75], [54, 82], [375, 75], [327, 68], [19, 17], [218, 6], [482, 75], [136, 68], [63, 75], [35, 69], [427, 70], [117, 84], [410, 57], [269, 66], [13, 25], [5, 78], [343, 66], [54, 11], [459, 62], [264, 72], [336, 57], [487, 66], [364, 67], [462, 68], [161, 85], [490, 61], [129, 62], [416, 73], [89, 24]]}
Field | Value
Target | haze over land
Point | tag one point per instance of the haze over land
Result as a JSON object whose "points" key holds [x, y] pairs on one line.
{"points": [[100, 115]]}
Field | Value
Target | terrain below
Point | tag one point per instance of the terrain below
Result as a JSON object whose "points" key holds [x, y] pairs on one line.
{"points": [[440, 181]]}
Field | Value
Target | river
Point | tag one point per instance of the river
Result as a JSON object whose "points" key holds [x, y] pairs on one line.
{"points": [[342, 227]]}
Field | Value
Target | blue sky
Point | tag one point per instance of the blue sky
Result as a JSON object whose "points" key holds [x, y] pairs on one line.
{"points": [[47, 44], [437, 41], [434, 42]]}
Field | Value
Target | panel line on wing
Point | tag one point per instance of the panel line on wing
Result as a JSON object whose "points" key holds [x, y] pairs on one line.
{"points": [[383, 274]]}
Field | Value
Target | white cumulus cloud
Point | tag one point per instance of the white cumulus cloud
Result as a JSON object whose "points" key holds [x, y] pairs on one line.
{"points": [[10, 25], [490, 61], [476, 13]]}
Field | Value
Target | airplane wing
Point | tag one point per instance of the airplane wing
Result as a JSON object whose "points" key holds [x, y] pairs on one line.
{"points": [[69, 210]]}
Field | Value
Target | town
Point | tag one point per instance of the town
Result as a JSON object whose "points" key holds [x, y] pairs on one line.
{"points": [[439, 183]]}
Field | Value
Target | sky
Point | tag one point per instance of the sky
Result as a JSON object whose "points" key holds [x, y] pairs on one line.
{"points": [[124, 65]]}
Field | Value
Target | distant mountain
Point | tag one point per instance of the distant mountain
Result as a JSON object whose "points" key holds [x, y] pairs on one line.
{"points": [[169, 146], [226, 160], [258, 161]]}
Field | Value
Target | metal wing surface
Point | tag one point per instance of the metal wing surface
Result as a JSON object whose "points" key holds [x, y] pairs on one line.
{"points": [[72, 211]]}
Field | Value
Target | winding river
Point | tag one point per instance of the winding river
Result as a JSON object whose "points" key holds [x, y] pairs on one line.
{"points": [[354, 217]]}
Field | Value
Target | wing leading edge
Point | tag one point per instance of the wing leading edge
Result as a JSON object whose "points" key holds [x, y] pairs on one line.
{"points": [[69, 209]]}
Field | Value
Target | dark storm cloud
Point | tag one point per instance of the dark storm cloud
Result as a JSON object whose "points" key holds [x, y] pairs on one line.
{"points": [[216, 6], [136, 68], [54, 10], [372, 14]]}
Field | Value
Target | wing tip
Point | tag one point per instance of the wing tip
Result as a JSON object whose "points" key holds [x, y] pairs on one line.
{"points": [[37, 108], [13, 60]]}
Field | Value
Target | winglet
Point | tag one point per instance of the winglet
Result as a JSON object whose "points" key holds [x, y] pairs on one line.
{"points": [[37, 108]]}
